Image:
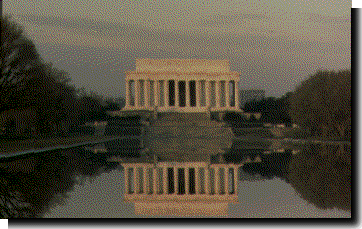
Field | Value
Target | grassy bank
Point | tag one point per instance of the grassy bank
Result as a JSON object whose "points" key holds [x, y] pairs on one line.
{"points": [[299, 133], [13, 146]]}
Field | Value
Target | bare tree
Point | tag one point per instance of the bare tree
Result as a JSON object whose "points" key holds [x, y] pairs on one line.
{"points": [[18, 57], [26, 81]]}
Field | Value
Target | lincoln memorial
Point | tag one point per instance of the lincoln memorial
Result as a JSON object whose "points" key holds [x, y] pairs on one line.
{"points": [[180, 188], [182, 85]]}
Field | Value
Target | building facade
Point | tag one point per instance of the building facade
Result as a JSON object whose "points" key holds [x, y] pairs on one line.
{"points": [[185, 188], [182, 85]]}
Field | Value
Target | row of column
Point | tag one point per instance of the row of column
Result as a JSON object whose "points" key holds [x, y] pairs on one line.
{"points": [[148, 93], [149, 180]]}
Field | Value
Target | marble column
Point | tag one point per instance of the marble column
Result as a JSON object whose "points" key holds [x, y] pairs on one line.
{"points": [[136, 180], [207, 181], [142, 93], [154, 174], [208, 93], [237, 95], [144, 172], [163, 92], [227, 94], [224, 181], [217, 181], [217, 85], [235, 180], [197, 181], [164, 177]]}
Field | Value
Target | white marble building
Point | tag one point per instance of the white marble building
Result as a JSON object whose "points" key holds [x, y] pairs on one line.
{"points": [[182, 85], [187, 188]]}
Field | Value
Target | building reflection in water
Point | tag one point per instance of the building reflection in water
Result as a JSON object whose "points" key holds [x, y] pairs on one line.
{"points": [[176, 185], [187, 188]]}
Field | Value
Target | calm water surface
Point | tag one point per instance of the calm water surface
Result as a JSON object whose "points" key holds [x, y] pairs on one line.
{"points": [[313, 181]]}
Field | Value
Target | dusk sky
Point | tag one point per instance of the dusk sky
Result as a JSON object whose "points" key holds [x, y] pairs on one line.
{"points": [[274, 45]]}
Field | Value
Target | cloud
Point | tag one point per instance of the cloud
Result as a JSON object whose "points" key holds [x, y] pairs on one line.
{"points": [[231, 19], [267, 55]]}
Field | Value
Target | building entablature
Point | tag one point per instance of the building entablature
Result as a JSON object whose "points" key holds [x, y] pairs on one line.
{"points": [[183, 65], [207, 76]]}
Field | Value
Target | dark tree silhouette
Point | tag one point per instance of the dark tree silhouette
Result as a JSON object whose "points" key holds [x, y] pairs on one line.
{"points": [[274, 110], [322, 104], [27, 82], [18, 59]]}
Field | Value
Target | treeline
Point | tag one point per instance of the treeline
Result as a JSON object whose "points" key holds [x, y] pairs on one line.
{"points": [[28, 85], [320, 105], [273, 110]]}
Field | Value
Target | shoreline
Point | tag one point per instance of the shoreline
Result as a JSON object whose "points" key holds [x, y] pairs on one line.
{"points": [[296, 141], [284, 135], [47, 146], [32, 146]]}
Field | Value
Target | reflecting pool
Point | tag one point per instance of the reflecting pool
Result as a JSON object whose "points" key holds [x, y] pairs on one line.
{"points": [[124, 179]]}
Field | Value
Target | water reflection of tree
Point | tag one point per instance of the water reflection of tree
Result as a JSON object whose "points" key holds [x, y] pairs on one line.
{"points": [[271, 165], [29, 194], [124, 147], [322, 175], [12, 203]]}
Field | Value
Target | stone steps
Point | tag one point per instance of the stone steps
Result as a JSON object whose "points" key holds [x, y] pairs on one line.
{"points": [[185, 119], [187, 134], [188, 124]]}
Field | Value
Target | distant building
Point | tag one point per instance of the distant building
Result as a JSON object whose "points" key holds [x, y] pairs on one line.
{"points": [[186, 187], [250, 95], [182, 85]]}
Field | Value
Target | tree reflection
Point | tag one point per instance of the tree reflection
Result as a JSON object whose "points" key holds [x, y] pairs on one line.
{"points": [[124, 147], [271, 165], [29, 193], [12, 203], [322, 175]]}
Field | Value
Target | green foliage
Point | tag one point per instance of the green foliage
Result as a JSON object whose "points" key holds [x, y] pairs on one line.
{"points": [[322, 104], [234, 117], [26, 81], [19, 61], [273, 110]]}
